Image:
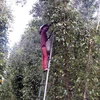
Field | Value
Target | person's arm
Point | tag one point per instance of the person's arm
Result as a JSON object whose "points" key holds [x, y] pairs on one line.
{"points": [[50, 35], [52, 31], [50, 24]]}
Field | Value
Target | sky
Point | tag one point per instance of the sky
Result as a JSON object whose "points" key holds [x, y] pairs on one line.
{"points": [[21, 19]]}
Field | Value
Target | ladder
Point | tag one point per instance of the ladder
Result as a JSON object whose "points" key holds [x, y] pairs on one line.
{"points": [[45, 75]]}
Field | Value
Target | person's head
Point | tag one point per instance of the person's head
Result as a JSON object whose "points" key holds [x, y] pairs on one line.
{"points": [[45, 27]]}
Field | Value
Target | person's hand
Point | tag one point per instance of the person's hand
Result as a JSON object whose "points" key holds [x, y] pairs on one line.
{"points": [[52, 22]]}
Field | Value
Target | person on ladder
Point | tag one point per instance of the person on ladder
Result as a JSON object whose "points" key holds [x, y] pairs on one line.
{"points": [[43, 40]]}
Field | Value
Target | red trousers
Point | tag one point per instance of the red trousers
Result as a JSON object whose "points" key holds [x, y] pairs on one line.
{"points": [[44, 58]]}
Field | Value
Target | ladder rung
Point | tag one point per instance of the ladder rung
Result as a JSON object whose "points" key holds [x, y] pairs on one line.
{"points": [[50, 59], [42, 84], [39, 97]]}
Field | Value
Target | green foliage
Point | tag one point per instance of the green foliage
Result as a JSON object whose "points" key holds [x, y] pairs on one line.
{"points": [[74, 73], [74, 51], [86, 7], [5, 19], [25, 60]]}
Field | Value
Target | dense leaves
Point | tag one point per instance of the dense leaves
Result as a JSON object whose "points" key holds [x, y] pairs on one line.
{"points": [[5, 19], [25, 60], [74, 73], [74, 48]]}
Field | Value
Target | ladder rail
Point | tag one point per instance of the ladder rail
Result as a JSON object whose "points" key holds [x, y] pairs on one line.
{"points": [[47, 76], [40, 86]]}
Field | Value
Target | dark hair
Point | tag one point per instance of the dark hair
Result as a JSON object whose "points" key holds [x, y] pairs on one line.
{"points": [[46, 25]]}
